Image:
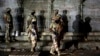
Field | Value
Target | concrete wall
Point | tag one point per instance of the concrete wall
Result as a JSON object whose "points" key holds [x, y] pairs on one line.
{"points": [[91, 9]]}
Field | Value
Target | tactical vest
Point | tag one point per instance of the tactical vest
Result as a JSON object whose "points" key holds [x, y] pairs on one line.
{"points": [[29, 19], [55, 28], [9, 18]]}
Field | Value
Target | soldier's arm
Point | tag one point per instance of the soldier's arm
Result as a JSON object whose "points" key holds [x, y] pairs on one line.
{"points": [[5, 18], [36, 28], [28, 21], [29, 29], [50, 27], [59, 28]]}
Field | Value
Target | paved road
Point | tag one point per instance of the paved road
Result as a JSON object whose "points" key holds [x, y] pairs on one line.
{"points": [[8, 50], [46, 53]]}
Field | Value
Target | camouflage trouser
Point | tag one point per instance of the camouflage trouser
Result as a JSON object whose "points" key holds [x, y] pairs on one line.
{"points": [[8, 33], [33, 41], [29, 37], [54, 46]]}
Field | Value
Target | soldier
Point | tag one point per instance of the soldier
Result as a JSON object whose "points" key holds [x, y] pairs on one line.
{"points": [[20, 19], [9, 25], [59, 18], [87, 28], [29, 20], [65, 21], [32, 30], [78, 28], [55, 28], [41, 21]]}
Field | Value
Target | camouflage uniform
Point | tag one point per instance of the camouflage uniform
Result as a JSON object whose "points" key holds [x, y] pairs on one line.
{"points": [[32, 30], [55, 28], [8, 25]]}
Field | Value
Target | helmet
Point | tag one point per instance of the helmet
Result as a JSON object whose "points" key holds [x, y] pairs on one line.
{"points": [[8, 9], [56, 11], [33, 11]]}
